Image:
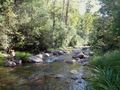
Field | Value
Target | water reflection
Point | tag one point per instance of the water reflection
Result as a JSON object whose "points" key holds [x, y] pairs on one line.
{"points": [[54, 76]]}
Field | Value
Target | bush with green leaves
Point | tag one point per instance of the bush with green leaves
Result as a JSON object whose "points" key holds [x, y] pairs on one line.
{"points": [[23, 56]]}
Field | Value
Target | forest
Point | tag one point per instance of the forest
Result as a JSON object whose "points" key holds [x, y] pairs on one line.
{"points": [[42, 31]]}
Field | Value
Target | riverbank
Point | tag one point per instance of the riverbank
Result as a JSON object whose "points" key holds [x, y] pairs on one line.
{"points": [[62, 70], [21, 55], [76, 55], [106, 71]]}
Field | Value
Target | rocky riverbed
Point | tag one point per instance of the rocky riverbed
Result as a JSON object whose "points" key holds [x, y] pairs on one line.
{"points": [[56, 70]]}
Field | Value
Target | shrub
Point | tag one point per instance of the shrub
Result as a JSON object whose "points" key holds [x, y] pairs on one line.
{"points": [[23, 55], [106, 71]]}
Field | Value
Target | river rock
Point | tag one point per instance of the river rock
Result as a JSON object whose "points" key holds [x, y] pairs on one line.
{"points": [[70, 61], [18, 61], [9, 63], [74, 72], [58, 52], [59, 76], [36, 59], [78, 55], [39, 56], [46, 55]]}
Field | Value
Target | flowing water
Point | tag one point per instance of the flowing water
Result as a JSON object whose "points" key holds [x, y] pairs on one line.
{"points": [[48, 76], [53, 76]]}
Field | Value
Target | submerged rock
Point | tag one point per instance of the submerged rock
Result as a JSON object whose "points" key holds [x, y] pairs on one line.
{"points": [[70, 61], [59, 76]]}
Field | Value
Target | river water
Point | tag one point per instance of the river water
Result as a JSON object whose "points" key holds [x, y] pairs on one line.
{"points": [[48, 76], [52, 76]]}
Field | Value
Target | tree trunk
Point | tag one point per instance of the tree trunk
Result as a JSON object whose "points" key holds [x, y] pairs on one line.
{"points": [[63, 9], [53, 17], [67, 11]]}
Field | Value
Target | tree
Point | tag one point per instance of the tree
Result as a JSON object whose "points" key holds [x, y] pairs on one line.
{"points": [[67, 11], [106, 27]]}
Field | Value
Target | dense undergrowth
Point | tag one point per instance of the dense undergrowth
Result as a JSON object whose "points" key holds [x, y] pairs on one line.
{"points": [[106, 71]]}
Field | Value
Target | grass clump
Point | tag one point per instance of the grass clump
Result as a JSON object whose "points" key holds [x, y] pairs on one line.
{"points": [[106, 71]]}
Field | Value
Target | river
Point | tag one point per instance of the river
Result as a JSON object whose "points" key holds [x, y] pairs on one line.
{"points": [[53, 76], [46, 76]]}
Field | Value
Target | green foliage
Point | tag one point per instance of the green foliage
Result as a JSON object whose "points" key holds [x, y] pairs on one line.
{"points": [[108, 59], [23, 55], [106, 79], [106, 33], [1, 59], [106, 71], [35, 25], [85, 26]]}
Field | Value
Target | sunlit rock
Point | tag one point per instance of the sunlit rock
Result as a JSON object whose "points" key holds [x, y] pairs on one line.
{"points": [[36, 59], [74, 72]]}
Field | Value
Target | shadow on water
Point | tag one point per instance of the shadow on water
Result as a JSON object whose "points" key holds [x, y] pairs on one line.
{"points": [[53, 76]]}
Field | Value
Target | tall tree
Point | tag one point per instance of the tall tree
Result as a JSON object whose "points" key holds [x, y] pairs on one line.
{"points": [[63, 10], [54, 21], [67, 11]]}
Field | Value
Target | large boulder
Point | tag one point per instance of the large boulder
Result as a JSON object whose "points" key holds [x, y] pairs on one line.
{"points": [[39, 56], [58, 52], [9, 63], [46, 56], [80, 55], [36, 59]]}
